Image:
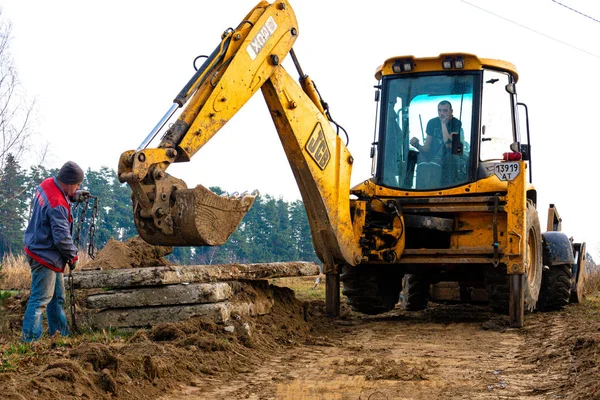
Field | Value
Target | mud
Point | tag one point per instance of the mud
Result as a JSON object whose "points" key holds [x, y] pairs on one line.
{"points": [[296, 352]]}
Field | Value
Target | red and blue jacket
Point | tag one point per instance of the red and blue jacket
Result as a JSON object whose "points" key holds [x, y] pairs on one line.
{"points": [[48, 237]]}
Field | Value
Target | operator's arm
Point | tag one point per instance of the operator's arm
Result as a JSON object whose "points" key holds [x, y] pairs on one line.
{"points": [[450, 128], [425, 147], [428, 140]]}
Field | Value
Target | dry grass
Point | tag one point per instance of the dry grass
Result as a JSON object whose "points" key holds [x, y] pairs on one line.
{"points": [[592, 282], [15, 273]]}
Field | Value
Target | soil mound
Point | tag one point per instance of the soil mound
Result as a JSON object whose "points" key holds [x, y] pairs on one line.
{"points": [[165, 357], [134, 253]]}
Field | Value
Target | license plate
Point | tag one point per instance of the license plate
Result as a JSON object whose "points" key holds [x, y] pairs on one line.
{"points": [[507, 171]]}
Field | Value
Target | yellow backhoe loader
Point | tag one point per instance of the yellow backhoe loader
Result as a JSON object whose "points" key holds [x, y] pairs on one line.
{"points": [[450, 197]]}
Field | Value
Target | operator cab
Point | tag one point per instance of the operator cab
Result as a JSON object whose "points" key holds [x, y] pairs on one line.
{"points": [[443, 120]]}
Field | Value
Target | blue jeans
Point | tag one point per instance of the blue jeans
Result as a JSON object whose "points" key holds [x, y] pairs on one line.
{"points": [[47, 292]]}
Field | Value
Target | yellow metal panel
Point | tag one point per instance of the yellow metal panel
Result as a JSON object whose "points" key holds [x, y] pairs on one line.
{"points": [[516, 226], [321, 164], [476, 229], [490, 184], [243, 74], [428, 64]]}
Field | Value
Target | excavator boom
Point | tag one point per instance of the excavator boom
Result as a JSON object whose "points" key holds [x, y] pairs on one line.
{"points": [[248, 58]]}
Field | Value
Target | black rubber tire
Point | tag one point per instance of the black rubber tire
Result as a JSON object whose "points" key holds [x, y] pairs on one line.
{"points": [[371, 289], [496, 288], [415, 292], [496, 279], [556, 288], [533, 258]]}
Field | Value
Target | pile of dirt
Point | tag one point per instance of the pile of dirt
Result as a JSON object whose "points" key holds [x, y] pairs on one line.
{"points": [[155, 361], [134, 253]]}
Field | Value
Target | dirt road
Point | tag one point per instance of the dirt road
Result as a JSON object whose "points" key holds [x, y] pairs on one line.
{"points": [[447, 351]]}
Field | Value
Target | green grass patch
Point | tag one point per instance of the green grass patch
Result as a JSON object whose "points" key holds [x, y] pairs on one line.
{"points": [[106, 335], [5, 294], [9, 358], [305, 287]]}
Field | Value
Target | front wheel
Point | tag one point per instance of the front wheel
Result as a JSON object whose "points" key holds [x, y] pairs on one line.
{"points": [[496, 287], [415, 292], [371, 289]]}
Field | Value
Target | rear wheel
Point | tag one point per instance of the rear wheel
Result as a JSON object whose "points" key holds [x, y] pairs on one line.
{"points": [[415, 292], [556, 288], [496, 278], [371, 289]]}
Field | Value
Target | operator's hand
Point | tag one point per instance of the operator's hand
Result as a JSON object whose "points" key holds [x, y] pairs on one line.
{"points": [[414, 142], [73, 265], [80, 196]]}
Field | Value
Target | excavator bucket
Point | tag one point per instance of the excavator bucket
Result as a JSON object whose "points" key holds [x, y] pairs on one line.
{"points": [[199, 218]]}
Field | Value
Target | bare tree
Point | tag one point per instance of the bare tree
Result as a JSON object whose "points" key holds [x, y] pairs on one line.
{"points": [[16, 112]]}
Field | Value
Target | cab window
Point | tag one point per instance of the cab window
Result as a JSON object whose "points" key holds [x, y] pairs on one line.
{"points": [[496, 116], [411, 114]]}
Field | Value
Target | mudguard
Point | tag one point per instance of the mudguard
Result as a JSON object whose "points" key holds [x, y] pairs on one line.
{"points": [[577, 283], [557, 249]]}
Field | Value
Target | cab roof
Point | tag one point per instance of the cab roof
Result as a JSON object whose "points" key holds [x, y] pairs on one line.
{"points": [[470, 62]]}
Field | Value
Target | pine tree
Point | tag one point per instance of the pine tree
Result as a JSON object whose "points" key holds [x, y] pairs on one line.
{"points": [[13, 206], [33, 178], [301, 232], [273, 230], [122, 224], [99, 184], [282, 242]]}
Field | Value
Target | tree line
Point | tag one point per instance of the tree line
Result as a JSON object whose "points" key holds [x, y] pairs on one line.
{"points": [[273, 229]]}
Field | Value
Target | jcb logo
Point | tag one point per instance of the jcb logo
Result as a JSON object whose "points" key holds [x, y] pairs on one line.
{"points": [[317, 147], [261, 38]]}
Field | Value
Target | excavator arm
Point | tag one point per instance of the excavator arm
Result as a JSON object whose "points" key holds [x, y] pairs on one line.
{"points": [[248, 58]]}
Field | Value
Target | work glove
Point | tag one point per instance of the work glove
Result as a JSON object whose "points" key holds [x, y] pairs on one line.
{"points": [[80, 196], [72, 265]]}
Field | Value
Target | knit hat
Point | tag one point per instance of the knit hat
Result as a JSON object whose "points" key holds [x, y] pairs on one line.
{"points": [[70, 173]]}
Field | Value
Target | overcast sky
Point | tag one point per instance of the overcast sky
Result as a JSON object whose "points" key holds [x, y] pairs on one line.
{"points": [[104, 73]]}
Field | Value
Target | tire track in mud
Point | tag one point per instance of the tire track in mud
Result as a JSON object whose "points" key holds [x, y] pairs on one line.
{"points": [[442, 352]]}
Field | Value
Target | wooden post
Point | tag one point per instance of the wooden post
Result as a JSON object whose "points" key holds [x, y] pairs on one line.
{"points": [[516, 305], [332, 294]]}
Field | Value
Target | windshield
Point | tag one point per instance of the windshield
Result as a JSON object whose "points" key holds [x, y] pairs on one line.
{"points": [[426, 130]]}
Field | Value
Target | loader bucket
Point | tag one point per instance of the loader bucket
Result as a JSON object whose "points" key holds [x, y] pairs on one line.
{"points": [[200, 218]]}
